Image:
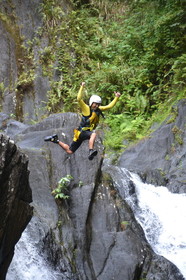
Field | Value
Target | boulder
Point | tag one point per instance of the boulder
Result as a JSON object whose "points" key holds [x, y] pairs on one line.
{"points": [[160, 159], [15, 199], [93, 234]]}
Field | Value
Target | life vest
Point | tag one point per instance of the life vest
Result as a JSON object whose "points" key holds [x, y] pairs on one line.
{"points": [[90, 122]]}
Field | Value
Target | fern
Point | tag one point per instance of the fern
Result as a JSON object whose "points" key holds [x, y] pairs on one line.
{"points": [[62, 186]]}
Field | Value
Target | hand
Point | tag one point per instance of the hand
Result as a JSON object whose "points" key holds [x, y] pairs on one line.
{"points": [[117, 94], [83, 84]]}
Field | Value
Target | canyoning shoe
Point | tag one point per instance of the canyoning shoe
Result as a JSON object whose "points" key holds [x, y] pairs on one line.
{"points": [[53, 138], [92, 154]]}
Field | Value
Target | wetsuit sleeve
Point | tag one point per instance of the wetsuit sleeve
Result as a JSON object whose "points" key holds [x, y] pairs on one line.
{"points": [[110, 105], [84, 107]]}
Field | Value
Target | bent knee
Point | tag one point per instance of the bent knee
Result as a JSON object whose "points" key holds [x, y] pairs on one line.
{"points": [[69, 152], [93, 134]]}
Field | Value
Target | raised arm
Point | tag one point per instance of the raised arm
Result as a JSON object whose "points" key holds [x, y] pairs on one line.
{"points": [[84, 107], [112, 103]]}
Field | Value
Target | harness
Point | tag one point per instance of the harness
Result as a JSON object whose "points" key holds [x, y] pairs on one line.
{"points": [[88, 122]]}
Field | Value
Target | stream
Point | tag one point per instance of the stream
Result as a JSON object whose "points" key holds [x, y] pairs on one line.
{"points": [[162, 215]]}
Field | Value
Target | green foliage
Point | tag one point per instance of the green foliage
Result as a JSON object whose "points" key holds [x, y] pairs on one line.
{"points": [[62, 186], [179, 70], [2, 89], [178, 135], [124, 127], [135, 47], [26, 79]]}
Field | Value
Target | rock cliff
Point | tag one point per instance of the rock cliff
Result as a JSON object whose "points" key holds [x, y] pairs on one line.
{"points": [[15, 199], [160, 159], [23, 86], [93, 234]]}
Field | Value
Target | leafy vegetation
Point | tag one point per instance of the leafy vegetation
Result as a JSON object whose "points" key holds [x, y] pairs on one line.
{"points": [[135, 47], [63, 184]]}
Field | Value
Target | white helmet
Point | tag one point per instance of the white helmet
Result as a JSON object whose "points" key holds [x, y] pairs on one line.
{"points": [[94, 98]]}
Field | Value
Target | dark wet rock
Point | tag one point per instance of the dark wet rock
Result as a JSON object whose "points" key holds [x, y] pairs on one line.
{"points": [[93, 234], [160, 159], [15, 199]]}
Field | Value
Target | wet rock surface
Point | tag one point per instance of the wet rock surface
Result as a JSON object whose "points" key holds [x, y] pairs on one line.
{"points": [[161, 158], [15, 199], [93, 234]]}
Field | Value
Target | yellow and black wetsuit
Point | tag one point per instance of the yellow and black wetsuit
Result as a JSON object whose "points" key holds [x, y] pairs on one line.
{"points": [[89, 121], [90, 118]]}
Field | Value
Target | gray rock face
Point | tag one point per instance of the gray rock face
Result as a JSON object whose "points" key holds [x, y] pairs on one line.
{"points": [[8, 69], [19, 24], [93, 234], [161, 159], [15, 197], [84, 237], [23, 37]]}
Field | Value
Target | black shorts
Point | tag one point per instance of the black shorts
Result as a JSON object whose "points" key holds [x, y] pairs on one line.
{"points": [[85, 135]]}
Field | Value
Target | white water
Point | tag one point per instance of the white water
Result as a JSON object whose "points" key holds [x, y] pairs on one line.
{"points": [[27, 264], [162, 215]]}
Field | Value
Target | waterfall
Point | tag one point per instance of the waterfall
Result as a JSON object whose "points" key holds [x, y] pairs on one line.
{"points": [[162, 215], [28, 263]]}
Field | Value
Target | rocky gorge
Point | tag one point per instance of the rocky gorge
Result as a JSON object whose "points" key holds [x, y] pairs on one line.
{"points": [[85, 237], [94, 233]]}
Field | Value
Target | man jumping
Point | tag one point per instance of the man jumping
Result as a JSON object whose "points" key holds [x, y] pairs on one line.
{"points": [[88, 124]]}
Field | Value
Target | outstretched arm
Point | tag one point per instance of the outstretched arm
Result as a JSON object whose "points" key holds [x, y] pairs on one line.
{"points": [[84, 107], [112, 103], [80, 92]]}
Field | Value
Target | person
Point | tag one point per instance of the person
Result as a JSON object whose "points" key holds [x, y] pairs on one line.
{"points": [[89, 121]]}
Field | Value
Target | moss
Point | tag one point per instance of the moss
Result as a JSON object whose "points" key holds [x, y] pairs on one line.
{"points": [[167, 157], [10, 25], [178, 135], [124, 225], [23, 62]]}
